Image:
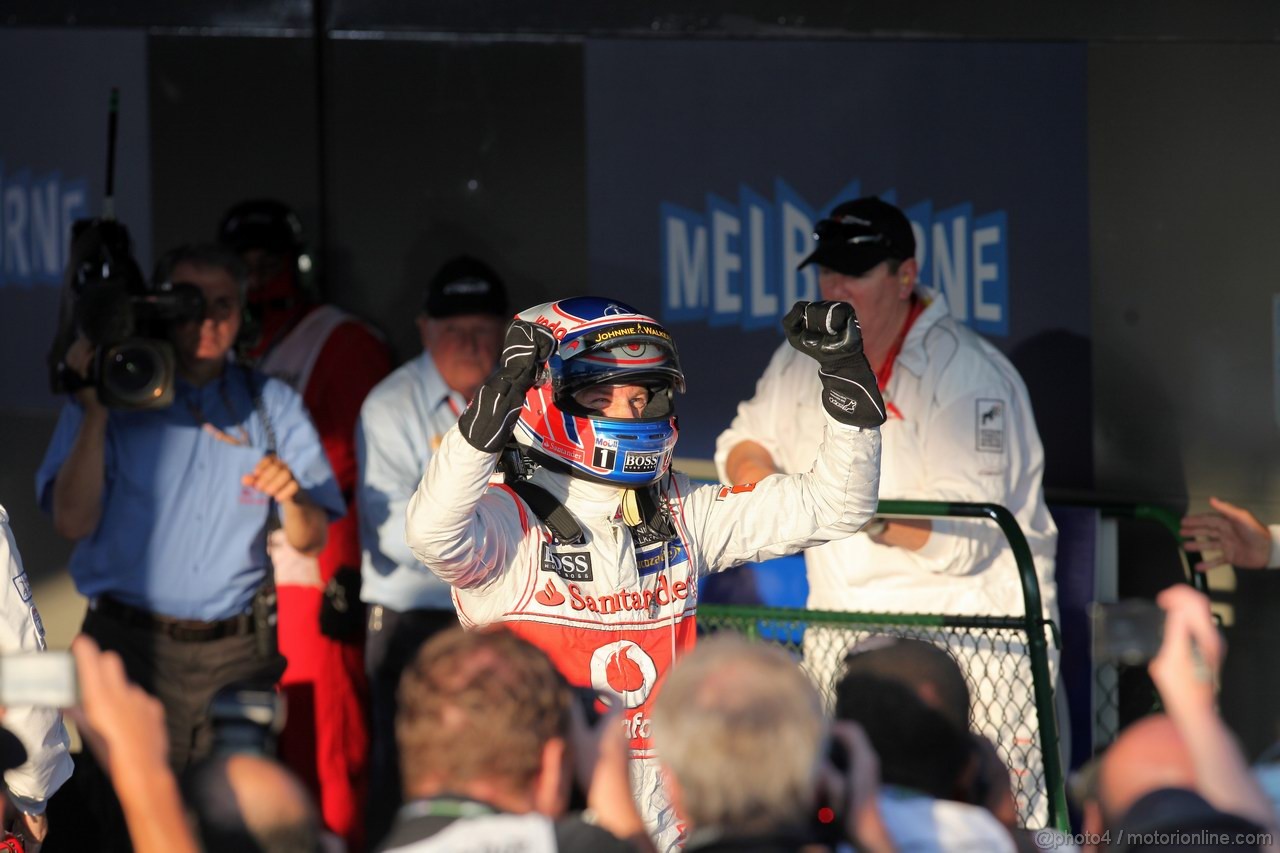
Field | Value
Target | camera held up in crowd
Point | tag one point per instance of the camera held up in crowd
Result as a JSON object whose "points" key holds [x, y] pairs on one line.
{"points": [[106, 299], [247, 718]]}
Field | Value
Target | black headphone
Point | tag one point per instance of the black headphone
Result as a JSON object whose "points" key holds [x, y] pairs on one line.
{"points": [[271, 225]]}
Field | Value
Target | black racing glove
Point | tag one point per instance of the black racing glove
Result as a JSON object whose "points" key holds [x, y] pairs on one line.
{"points": [[489, 420], [829, 332]]}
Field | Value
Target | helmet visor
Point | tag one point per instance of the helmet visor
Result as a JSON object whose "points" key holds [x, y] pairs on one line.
{"points": [[626, 356]]}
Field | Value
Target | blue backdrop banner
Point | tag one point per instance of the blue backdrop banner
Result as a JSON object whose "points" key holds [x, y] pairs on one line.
{"points": [[53, 163], [708, 164]]}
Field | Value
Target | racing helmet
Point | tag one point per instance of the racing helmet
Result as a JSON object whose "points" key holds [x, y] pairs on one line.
{"points": [[602, 342]]}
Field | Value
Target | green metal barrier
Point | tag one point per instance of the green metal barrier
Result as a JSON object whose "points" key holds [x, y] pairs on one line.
{"points": [[1127, 691], [1168, 520], [994, 643]]}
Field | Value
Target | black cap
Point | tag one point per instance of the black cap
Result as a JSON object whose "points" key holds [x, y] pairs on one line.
{"points": [[262, 223], [465, 286], [860, 234]]}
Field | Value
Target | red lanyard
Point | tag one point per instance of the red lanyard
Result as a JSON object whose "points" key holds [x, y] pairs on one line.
{"points": [[239, 440], [886, 369]]}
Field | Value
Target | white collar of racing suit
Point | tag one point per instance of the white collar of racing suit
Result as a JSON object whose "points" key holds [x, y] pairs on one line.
{"points": [[589, 500]]}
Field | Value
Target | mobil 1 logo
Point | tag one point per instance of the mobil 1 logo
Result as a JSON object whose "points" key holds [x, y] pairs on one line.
{"points": [[570, 565], [604, 458]]}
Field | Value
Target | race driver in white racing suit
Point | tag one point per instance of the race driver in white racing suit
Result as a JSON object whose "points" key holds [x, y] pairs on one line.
{"points": [[592, 547]]}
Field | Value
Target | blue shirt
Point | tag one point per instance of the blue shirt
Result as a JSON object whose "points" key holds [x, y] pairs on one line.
{"points": [[401, 424], [179, 534]]}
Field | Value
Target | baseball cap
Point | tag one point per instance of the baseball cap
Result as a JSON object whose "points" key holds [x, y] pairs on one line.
{"points": [[465, 286], [860, 234]]}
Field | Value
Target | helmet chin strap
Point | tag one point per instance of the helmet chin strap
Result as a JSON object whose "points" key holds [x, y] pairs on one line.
{"points": [[641, 508], [515, 464], [631, 513]]}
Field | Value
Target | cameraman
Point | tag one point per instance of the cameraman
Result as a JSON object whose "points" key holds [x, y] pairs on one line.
{"points": [[170, 509]]}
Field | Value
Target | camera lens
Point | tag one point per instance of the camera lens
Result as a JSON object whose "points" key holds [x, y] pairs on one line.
{"points": [[137, 374], [130, 371]]}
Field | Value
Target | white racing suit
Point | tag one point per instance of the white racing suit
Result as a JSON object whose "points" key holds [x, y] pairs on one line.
{"points": [[611, 613], [48, 763], [960, 428]]}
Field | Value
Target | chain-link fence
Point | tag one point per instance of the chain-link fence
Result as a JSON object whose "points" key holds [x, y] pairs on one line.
{"points": [[1006, 660], [992, 653], [1124, 693], [1121, 695]]}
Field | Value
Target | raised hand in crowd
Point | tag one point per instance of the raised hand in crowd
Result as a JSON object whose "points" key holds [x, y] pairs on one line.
{"points": [[1229, 536], [601, 763], [1185, 672], [124, 727], [857, 789]]}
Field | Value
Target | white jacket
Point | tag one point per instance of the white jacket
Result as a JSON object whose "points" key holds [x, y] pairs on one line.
{"points": [[41, 731], [960, 428], [611, 613]]}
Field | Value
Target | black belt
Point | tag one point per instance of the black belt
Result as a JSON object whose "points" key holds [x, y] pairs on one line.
{"points": [[182, 630]]}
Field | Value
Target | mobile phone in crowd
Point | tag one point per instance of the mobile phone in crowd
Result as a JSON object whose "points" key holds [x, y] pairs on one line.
{"points": [[44, 679], [1129, 632]]}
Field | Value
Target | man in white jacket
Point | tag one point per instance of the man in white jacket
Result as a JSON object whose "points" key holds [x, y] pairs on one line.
{"points": [[592, 547], [40, 730], [959, 428]]}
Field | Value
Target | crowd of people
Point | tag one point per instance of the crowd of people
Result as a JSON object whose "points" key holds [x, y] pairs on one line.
{"points": [[474, 580]]}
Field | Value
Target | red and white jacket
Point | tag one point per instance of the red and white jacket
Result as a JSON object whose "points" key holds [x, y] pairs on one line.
{"points": [[612, 613]]}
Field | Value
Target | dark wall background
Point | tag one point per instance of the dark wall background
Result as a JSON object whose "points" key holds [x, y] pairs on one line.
{"points": [[231, 118], [411, 132], [420, 150], [1184, 215], [470, 148]]}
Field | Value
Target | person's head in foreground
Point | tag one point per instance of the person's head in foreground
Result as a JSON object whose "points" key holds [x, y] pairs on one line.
{"points": [[931, 672], [740, 733], [484, 714], [245, 801]]}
